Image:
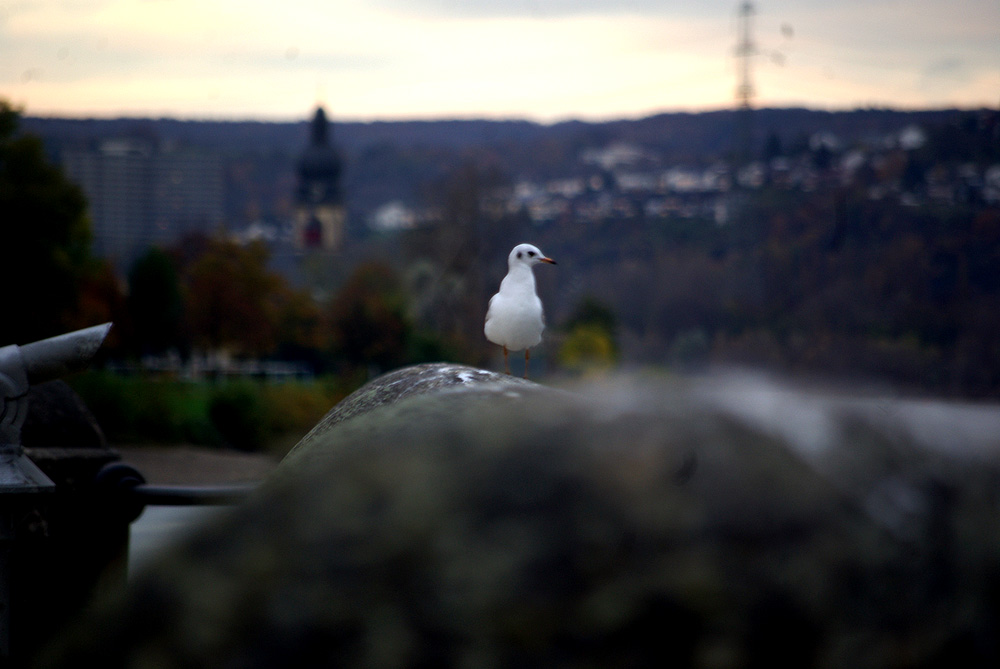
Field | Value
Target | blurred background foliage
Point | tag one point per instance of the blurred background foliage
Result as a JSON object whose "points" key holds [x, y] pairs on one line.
{"points": [[45, 263], [828, 280], [590, 340], [242, 414]]}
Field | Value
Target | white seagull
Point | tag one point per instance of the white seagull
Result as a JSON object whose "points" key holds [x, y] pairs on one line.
{"points": [[514, 319]]}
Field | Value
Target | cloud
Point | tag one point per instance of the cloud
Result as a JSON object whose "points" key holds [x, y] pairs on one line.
{"points": [[944, 77], [556, 8], [949, 66]]}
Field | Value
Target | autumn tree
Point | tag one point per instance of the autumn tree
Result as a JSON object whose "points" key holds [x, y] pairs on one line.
{"points": [[101, 299], [368, 322], [299, 325], [229, 295]]}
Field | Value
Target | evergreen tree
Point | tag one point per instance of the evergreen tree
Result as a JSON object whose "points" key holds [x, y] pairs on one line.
{"points": [[155, 303], [44, 238]]}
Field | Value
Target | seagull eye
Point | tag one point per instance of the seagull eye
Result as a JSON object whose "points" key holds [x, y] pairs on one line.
{"points": [[531, 254]]}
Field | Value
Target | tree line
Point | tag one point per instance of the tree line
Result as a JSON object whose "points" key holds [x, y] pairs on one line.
{"points": [[831, 280]]}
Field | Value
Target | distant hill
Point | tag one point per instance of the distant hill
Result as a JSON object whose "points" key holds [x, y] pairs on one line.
{"points": [[673, 133], [396, 160]]}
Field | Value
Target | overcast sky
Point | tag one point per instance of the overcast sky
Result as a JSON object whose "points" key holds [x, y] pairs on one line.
{"points": [[537, 59]]}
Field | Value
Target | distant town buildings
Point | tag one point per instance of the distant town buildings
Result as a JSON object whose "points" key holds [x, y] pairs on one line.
{"points": [[143, 192], [319, 204], [627, 181]]}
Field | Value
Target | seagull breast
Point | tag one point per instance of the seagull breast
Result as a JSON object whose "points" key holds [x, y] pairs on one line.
{"points": [[515, 318]]}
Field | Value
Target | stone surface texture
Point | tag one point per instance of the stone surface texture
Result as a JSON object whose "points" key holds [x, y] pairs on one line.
{"points": [[448, 517]]}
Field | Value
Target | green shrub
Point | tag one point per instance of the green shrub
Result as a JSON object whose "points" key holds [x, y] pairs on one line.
{"points": [[239, 414], [244, 414]]}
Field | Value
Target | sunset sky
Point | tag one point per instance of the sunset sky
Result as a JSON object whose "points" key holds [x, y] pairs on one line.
{"points": [[543, 60]]}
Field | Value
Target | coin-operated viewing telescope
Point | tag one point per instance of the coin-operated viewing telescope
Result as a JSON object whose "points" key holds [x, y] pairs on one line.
{"points": [[31, 533], [20, 368], [66, 505]]}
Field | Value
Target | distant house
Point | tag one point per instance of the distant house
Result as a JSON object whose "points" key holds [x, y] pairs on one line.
{"points": [[319, 207]]}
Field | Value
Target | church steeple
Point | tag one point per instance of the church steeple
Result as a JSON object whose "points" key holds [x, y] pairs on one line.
{"points": [[319, 128], [319, 220], [319, 166]]}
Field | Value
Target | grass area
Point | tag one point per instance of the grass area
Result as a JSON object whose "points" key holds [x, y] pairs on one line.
{"points": [[246, 414]]}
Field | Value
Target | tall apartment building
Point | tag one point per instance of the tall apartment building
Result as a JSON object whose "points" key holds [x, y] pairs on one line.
{"points": [[144, 193]]}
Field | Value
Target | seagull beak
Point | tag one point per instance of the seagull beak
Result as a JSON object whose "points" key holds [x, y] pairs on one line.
{"points": [[548, 260]]}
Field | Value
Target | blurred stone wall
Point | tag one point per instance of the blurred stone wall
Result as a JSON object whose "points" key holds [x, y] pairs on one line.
{"points": [[446, 516]]}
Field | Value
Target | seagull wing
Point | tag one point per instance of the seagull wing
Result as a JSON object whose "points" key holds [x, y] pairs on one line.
{"points": [[489, 309]]}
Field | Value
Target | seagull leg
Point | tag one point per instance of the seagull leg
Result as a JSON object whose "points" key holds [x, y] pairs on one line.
{"points": [[506, 360], [527, 357]]}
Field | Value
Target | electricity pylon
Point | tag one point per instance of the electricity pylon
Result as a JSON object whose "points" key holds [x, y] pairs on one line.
{"points": [[746, 49]]}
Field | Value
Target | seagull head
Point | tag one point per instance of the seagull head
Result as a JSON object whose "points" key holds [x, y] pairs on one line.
{"points": [[527, 254]]}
